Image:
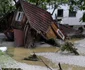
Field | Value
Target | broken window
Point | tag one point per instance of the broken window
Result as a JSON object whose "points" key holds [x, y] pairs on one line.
{"points": [[60, 13], [19, 16], [72, 13]]}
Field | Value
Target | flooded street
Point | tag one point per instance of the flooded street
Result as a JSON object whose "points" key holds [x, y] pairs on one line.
{"points": [[17, 54]]}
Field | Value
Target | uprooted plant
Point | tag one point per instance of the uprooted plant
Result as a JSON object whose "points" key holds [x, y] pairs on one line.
{"points": [[68, 46]]}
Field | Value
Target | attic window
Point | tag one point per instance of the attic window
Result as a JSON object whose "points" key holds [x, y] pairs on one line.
{"points": [[60, 13], [72, 13], [19, 16]]}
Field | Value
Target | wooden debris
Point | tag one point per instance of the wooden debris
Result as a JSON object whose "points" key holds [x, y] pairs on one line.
{"points": [[59, 66], [45, 64], [32, 58], [11, 69]]}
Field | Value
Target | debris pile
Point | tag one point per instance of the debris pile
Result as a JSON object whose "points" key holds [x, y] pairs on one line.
{"points": [[32, 58]]}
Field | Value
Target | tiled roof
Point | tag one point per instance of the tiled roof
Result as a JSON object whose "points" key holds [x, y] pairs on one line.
{"points": [[38, 18]]}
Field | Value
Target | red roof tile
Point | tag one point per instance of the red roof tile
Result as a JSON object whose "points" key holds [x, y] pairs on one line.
{"points": [[38, 18]]}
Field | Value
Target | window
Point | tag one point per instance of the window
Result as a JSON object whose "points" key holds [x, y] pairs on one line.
{"points": [[60, 13], [71, 26], [19, 16], [60, 34], [72, 13]]}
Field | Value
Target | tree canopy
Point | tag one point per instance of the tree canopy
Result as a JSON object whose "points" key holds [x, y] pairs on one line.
{"points": [[43, 3], [78, 4], [6, 6]]}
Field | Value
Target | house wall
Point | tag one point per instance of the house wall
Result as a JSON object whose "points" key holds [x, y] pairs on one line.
{"points": [[66, 20]]}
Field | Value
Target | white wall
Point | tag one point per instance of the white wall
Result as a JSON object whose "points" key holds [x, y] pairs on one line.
{"points": [[66, 19]]}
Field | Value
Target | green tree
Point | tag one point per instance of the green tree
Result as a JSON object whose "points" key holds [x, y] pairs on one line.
{"points": [[6, 6], [43, 3]]}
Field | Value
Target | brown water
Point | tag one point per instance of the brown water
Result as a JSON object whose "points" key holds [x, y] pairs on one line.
{"points": [[20, 53]]}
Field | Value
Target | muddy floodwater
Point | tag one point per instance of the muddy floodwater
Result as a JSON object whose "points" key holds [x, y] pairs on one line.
{"points": [[20, 53]]}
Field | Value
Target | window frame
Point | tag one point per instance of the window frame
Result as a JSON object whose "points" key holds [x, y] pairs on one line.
{"points": [[19, 16], [72, 13], [61, 14]]}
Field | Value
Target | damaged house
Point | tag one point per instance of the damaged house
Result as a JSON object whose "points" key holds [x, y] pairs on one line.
{"points": [[30, 22]]}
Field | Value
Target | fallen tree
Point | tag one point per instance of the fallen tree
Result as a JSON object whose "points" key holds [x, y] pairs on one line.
{"points": [[68, 46]]}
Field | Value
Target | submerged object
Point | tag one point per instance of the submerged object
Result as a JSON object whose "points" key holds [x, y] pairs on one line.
{"points": [[3, 49]]}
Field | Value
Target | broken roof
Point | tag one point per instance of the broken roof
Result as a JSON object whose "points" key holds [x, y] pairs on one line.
{"points": [[39, 19], [67, 30]]}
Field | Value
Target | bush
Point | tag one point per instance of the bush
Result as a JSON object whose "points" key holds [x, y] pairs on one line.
{"points": [[68, 46]]}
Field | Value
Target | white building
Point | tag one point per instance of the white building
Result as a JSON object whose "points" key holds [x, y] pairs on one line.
{"points": [[68, 18]]}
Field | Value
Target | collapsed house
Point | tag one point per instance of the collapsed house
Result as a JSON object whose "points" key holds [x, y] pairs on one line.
{"points": [[30, 23]]}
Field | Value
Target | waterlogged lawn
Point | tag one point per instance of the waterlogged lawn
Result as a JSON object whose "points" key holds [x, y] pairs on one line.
{"points": [[6, 61]]}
